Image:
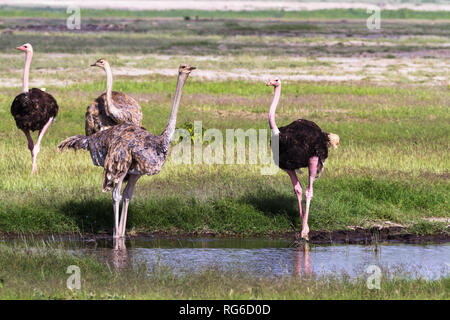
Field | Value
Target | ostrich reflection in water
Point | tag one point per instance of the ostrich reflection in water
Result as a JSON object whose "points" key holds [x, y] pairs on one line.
{"points": [[302, 266], [119, 254], [302, 253]]}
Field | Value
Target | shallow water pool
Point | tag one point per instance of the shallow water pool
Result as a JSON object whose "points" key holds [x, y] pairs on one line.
{"points": [[278, 258]]}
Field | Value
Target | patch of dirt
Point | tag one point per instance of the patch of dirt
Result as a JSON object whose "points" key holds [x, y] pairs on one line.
{"points": [[231, 5], [434, 219], [376, 70], [35, 83], [368, 236], [86, 27]]}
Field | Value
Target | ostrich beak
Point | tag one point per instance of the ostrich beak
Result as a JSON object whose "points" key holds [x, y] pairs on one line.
{"points": [[20, 48], [93, 65]]}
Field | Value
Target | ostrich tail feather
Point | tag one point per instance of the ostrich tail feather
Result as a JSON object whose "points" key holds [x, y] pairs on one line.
{"points": [[76, 142], [334, 140]]}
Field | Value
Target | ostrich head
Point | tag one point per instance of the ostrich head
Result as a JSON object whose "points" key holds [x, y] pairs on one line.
{"points": [[26, 48], [274, 82], [334, 140], [186, 69], [102, 63]]}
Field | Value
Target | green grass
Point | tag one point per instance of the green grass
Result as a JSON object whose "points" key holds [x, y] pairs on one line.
{"points": [[365, 180], [242, 88], [31, 270]]}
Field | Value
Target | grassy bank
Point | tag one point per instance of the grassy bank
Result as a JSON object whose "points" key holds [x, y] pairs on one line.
{"points": [[365, 181], [39, 272]]}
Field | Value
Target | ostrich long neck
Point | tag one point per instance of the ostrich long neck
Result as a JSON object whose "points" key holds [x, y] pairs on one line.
{"points": [[111, 109], [26, 71], [273, 108], [169, 130]]}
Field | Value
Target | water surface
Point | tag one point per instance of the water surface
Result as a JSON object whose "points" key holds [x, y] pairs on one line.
{"points": [[278, 258]]}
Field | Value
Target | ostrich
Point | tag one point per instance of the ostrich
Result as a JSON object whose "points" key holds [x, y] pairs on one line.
{"points": [[127, 151], [33, 109], [111, 108], [301, 144]]}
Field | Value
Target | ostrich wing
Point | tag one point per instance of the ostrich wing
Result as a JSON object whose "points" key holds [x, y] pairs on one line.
{"points": [[97, 119], [299, 141], [120, 140], [32, 110], [130, 109], [117, 163]]}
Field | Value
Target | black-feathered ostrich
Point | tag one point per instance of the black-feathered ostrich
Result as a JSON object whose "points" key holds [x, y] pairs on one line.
{"points": [[301, 144], [128, 151], [33, 109], [112, 107]]}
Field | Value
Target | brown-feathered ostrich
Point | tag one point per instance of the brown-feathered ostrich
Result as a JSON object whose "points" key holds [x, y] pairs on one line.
{"points": [[128, 151], [33, 109], [112, 107], [301, 144]]}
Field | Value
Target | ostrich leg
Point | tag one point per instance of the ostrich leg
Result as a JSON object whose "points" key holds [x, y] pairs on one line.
{"points": [[297, 190], [37, 146], [127, 195], [116, 203], [313, 163], [30, 141], [30, 147]]}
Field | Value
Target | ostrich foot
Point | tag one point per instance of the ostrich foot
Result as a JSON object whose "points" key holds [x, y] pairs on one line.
{"points": [[301, 236], [305, 233]]}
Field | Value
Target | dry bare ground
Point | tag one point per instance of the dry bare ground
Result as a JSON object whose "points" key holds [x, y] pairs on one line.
{"points": [[373, 69], [232, 5]]}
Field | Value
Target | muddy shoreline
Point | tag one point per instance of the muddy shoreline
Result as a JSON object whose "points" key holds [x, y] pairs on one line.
{"points": [[357, 236]]}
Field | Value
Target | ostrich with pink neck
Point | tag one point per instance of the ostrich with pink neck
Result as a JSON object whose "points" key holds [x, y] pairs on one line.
{"points": [[33, 109], [111, 107], [301, 144]]}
